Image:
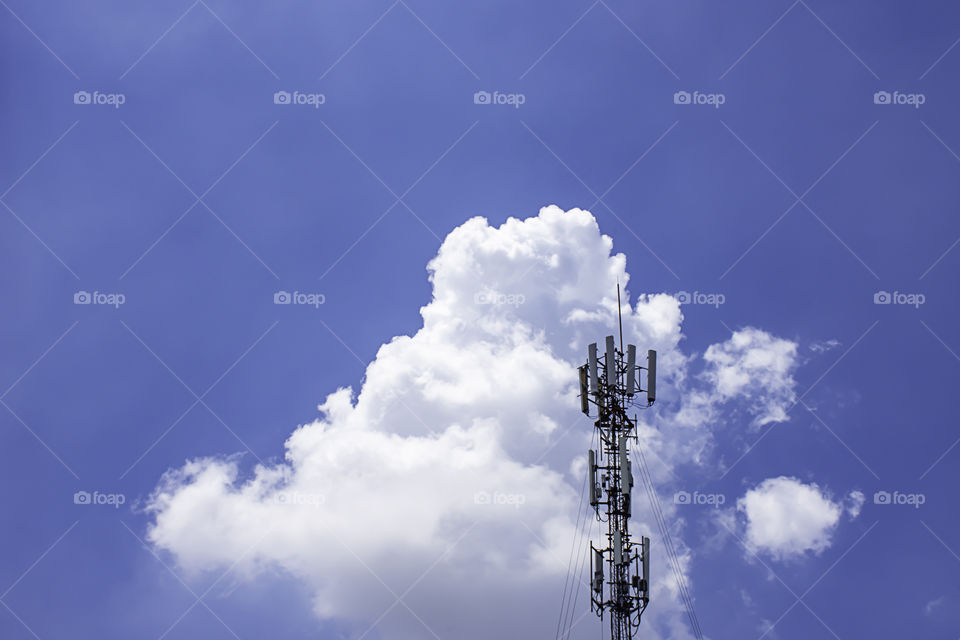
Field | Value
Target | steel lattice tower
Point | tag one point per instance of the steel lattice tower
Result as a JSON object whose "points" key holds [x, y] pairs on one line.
{"points": [[620, 570]]}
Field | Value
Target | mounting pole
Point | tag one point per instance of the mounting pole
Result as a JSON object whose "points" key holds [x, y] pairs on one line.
{"points": [[619, 316]]}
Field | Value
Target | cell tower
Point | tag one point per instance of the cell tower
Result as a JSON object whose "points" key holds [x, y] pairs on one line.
{"points": [[620, 570]]}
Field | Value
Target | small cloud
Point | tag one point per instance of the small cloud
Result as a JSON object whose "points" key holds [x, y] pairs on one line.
{"points": [[756, 366], [786, 517], [824, 346], [767, 630], [933, 605], [854, 503]]}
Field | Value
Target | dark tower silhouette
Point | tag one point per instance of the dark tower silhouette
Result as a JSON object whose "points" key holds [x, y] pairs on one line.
{"points": [[620, 567]]}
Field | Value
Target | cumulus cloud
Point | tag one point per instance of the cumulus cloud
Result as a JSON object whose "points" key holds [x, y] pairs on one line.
{"points": [[787, 518], [456, 468], [758, 366]]}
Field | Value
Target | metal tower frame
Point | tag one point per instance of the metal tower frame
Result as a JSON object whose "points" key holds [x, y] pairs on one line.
{"points": [[620, 571]]}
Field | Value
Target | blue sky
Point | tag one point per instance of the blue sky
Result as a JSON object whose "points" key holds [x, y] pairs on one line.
{"points": [[797, 199]]}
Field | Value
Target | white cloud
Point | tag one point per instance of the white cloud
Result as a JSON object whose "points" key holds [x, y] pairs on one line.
{"points": [[786, 517], [824, 346], [455, 456], [933, 605], [758, 366], [855, 500]]}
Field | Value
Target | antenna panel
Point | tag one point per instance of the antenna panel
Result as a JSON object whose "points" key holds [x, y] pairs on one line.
{"points": [[597, 570], [611, 363], [584, 401], [631, 368], [651, 376], [592, 366], [592, 478], [626, 477], [646, 568]]}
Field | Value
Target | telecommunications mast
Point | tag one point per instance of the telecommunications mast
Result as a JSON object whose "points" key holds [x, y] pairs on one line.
{"points": [[620, 569]]}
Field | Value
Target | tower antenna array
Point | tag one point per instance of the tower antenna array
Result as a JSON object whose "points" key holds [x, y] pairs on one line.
{"points": [[620, 566]]}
